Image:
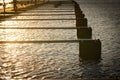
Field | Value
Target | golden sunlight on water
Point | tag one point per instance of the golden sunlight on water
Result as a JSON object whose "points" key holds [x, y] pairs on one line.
{"points": [[6, 1], [12, 37], [11, 62], [8, 23], [40, 61]]}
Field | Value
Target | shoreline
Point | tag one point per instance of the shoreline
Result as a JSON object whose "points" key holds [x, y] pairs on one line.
{"points": [[20, 8]]}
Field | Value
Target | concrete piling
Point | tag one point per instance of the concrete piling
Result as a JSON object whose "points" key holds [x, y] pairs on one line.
{"points": [[57, 4], [81, 22], [77, 8], [79, 16], [78, 11], [84, 33], [90, 49], [15, 5]]}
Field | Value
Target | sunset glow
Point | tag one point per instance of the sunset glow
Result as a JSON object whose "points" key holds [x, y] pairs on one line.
{"points": [[6, 1]]}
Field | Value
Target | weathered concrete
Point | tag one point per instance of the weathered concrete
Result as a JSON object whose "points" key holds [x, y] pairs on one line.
{"points": [[90, 49], [84, 33], [81, 22]]}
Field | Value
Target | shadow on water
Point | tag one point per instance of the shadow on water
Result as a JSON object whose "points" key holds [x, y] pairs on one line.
{"points": [[12, 65], [91, 69], [5, 64]]}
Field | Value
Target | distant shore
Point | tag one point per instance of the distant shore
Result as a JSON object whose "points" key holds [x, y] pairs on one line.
{"points": [[9, 12]]}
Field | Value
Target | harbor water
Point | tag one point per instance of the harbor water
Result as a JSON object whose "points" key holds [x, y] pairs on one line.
{"points": [[39, 61]]}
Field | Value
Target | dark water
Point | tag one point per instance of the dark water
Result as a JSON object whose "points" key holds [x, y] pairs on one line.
{"points": [[36, 61], [104, 18]]}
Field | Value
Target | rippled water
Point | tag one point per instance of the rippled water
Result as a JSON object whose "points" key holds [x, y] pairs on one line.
{"points": [[7, 6], [35, 61], [104, 18]]}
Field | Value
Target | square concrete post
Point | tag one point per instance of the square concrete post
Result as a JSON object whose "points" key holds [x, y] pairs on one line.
{"points": [[90, 49], [84, 33]]}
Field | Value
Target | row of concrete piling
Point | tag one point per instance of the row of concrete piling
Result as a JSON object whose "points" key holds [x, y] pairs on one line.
{"points": [[88, 48]]}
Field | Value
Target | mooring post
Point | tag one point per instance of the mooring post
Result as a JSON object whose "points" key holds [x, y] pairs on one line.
{"points": [[15, 5], [35, 2], [81, 22], [4, 6], [57, 4], [90, 49], [84, 33], [79, 15], [77, 8]]}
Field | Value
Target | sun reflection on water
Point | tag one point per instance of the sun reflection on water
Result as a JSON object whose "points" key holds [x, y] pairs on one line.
{"points": [[8, 23], [18, 63], [6, 1], [12, 36]]}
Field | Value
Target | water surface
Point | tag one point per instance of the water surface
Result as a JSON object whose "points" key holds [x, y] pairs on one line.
{"points": [[35, 61]]}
